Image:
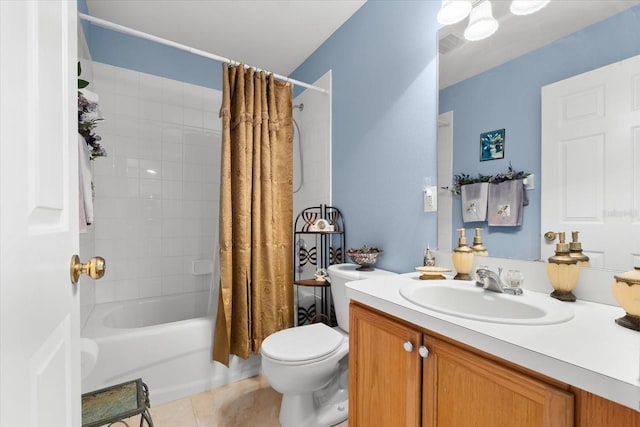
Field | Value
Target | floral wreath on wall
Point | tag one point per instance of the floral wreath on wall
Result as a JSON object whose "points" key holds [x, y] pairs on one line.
{"points": [[89, 115]]}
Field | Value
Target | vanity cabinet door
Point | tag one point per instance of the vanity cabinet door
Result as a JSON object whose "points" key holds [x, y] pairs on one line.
{"points": [[385, 371], [593, 411], [464, 389]]}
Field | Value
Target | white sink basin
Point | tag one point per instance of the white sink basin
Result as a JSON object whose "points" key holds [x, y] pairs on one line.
{"points": [[464, 299]]}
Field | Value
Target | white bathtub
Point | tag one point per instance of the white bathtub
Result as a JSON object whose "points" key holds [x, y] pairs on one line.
{"points": [[166, 341]]}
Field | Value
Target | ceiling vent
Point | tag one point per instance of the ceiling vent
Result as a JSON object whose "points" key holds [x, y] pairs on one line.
{"points": [[449, 43]]}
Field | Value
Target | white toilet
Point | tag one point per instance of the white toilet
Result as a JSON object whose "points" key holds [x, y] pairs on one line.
{"points": [[309, 364]]}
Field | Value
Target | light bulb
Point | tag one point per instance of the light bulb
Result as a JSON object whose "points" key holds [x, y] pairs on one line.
{"points": [[527, 7], [482, 24], [453, 11]]}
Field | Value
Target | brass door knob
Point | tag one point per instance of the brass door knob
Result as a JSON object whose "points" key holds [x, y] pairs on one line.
{"points": [[550, 236], [94, 268]]}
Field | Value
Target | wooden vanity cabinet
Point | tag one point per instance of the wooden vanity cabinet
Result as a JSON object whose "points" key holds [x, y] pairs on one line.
{"points": [[385, 380], [392, 384], [594, 411], [461, 388]]}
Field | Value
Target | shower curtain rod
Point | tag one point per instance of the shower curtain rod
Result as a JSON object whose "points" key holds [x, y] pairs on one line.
{"points": [[126, 30]]}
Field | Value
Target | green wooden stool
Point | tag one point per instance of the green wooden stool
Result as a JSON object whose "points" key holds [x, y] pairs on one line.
{"points": [[114, 404]]}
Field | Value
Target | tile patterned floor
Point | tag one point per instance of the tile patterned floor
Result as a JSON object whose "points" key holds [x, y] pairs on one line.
{"points": [[247, 403]]}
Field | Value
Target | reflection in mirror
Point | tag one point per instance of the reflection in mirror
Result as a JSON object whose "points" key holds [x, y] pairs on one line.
{"points": [[496, 84]]}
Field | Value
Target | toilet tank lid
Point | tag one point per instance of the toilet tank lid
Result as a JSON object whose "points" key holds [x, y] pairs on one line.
{"points": [[302, 343], [349, 271]]}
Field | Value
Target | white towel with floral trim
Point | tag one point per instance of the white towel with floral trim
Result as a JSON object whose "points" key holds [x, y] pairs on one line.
{"points": [[474, 201], [85, 185], [506, 203]]}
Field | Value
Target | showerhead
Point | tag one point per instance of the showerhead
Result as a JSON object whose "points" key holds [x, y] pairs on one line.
{"points": [[298, 107]]}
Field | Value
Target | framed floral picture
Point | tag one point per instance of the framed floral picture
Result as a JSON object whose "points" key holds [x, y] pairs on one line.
{"points": [[492, 145]]}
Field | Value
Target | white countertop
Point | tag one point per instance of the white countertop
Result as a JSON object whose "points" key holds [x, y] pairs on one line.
{"points": [[590, 351]]}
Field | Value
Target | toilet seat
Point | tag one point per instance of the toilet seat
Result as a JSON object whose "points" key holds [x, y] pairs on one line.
{"points": [[303, 344]]}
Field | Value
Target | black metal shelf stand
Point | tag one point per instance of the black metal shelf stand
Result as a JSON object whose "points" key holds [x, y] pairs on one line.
{"points": [[314, 250]]}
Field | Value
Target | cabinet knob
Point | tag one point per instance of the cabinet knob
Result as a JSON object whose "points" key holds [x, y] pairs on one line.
{"points": [[408, 347], [423, 351]]}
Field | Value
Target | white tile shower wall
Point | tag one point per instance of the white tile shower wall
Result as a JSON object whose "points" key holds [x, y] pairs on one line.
{"points": [[315, 142], [156, 194], [86, 285]]}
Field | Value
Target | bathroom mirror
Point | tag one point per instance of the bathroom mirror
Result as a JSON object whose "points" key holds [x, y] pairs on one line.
{"points": [[560, 24]]}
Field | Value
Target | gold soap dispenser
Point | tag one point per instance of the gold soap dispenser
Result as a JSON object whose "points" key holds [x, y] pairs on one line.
{"points": [[575, 251], [478, 248], [462, 258], [563, 271]]}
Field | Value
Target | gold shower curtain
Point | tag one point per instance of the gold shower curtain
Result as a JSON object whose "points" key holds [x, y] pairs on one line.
{"points": [[256, 210]]}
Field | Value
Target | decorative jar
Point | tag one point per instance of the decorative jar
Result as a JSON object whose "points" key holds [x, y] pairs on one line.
{"points": [[626, 290]]}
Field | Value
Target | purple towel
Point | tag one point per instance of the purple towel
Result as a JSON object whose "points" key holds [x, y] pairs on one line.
{"points": [[506, 202]]}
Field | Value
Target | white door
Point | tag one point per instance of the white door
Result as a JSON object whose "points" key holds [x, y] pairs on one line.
{"points": [[591, 163], [445, 174], [39, 307]]}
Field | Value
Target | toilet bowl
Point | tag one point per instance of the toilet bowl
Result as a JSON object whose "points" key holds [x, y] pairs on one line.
{"points": [[309, 364]]}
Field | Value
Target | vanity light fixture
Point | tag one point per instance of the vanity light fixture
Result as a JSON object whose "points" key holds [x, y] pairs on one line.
{"points": [[482, 24], [454, 11], [527, 7]]}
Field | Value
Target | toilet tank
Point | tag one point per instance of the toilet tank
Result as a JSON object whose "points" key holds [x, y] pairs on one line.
{"points": [[339, 275]]}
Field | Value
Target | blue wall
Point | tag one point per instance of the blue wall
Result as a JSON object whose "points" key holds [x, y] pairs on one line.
{"points": [[384, 125], [508, 96], [121, 50], [384, 129], [384, 116]]}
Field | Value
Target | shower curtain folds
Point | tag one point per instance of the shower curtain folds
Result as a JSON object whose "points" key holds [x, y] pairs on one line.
{"points": [[256, 211]]}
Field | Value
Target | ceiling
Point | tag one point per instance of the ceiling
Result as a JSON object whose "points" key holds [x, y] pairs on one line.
{"points": [[275, 35], [517, 35], [278, 35]]}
